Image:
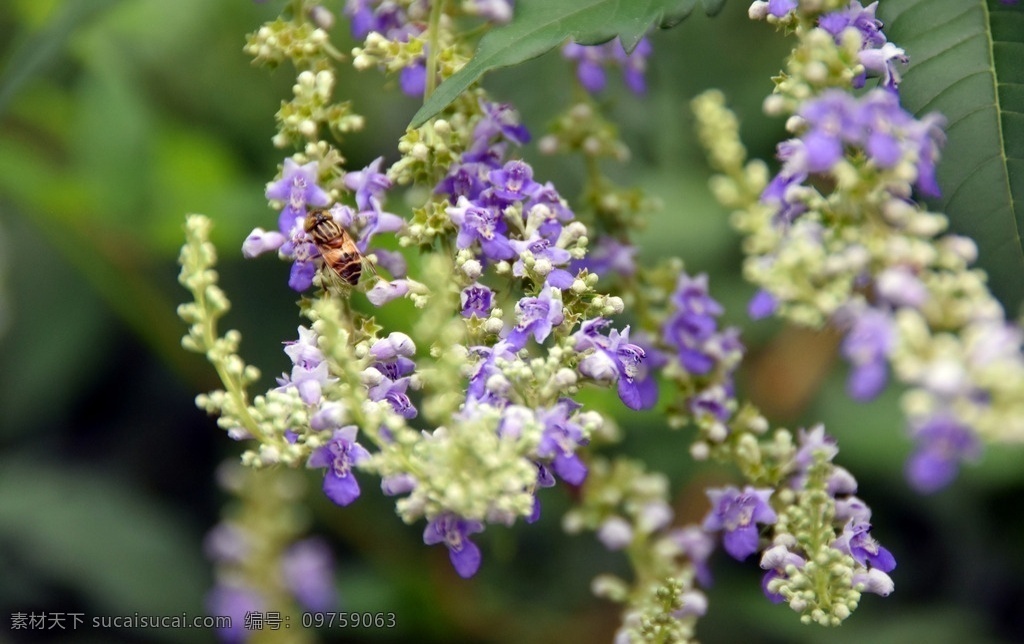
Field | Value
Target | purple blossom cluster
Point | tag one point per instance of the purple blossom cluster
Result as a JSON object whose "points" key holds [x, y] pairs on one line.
{"points": [[391, 371], [836, 125], [396, 23], [591, 61], [877, 55], [738, 513], [299, 191], [702, 349], [306, 568]]}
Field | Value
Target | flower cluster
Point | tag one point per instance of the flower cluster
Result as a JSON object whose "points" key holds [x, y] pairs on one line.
{"points": [[877, 57], [836, 237], [261, 558], [468, 422]]}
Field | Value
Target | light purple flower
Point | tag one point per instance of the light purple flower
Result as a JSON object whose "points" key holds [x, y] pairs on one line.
{"points": [[339, 455], [607, 257], [413, 79], [559, 441], [867, 346], [697, 545], [535, 316], [309, 370], [454, 532], [737, 514], [542, 248], [779, 8], [384, 291], [762, 305], [499, 11], [260, 241], [297, 188], [942, 443], [692, 328], [775, 560], [476, 300], [500, 119], [615, 359], [307, 570], [235, 602], [369, 184], [513, 182], [592, 59], [484, 225], [857, 542]]}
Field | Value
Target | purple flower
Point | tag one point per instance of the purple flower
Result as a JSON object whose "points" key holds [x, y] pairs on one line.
{"points": [[942, 442], [307, 571], [535, 316], [385, 18], [592, 59], [514, 182], [479, 389], [775, 560], [542, 248], [500, 120], [559, 441], [463, 180], [607, 257], [737, 513], [384, 291], [857, 542], [260, 241], [298, 188], [860, 18], [370, 184], [413, 79], [779, 8], [309, 370], [339, 455], [394, 365], [235, 602], [693, 330], [454, 532], [762, 305], [697, 545], [485, 225], [615, 359], [867, 347], [476, 300]]}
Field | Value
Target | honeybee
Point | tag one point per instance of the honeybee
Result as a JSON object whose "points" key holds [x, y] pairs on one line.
{"points": [[336, 246]]}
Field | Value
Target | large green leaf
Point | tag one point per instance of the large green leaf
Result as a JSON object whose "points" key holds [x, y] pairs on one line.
{"points": [[541, 25], [967, 62]]}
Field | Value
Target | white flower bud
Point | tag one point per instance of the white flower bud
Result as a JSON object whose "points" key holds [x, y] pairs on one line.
{"points": [[493, 325], [758, 10], [472, 269]]}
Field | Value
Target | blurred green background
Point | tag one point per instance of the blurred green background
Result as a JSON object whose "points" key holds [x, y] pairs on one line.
{"points": [[117, 117]]}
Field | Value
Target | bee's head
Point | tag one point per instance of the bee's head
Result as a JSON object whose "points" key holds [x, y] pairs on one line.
{"points": [[316, 217]]}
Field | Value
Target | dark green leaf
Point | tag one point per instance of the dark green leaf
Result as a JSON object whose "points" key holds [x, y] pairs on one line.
{"points": [[90, 532], [34, 51], [541, 25], [967, 62]]}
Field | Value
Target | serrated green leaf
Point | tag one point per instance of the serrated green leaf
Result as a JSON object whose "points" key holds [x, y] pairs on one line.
{"points": [[541, 25], [967, 62]]}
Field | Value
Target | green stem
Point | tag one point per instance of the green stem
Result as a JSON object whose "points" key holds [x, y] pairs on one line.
{"points": [[232, 384], [433, 38]]}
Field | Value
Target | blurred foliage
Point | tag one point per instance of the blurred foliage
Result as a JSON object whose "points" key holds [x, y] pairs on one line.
{"points": [[119, 116]]}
